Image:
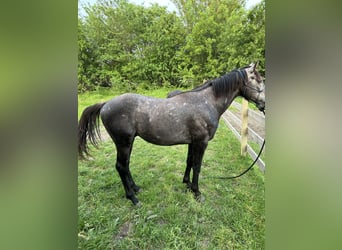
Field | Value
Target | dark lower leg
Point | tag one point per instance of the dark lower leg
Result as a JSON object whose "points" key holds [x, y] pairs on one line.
{"points": [[198, 152], [194, 184], [189, 161], [124, 148], [135, 187], [124, 175]]}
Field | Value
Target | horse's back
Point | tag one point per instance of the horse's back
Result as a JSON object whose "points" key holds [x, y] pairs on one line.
{"points": [[162, 121]]}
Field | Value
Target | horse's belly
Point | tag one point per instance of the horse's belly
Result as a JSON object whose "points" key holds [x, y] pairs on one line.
{"points": [[164, 141], [165, 135]]}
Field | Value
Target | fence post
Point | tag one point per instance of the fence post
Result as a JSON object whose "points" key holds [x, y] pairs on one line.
{"points": [[244, 126]]}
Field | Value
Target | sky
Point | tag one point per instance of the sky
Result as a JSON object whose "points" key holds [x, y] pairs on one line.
{"points": [[170, 6]]}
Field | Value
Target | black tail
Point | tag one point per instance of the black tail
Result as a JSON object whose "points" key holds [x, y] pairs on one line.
{"points": [[88, 126]]}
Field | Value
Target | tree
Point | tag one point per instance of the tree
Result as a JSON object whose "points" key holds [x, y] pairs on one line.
{"points": [[125, 45], [133, 43], [212, 37]]}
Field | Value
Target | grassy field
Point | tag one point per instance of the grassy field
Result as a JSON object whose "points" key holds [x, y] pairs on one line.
{"points": [[231, 217]]}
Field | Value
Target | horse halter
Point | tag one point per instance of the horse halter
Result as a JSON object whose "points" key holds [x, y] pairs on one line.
{"points": [[246, 86]]}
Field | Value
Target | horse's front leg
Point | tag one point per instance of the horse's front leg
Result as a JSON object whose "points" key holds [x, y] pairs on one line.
{"points": [[189, 164], [198, 152]]}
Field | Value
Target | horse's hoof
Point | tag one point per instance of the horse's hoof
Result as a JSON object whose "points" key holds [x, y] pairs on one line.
{"points": [[138, 205], [134, 200], [200, 198]]}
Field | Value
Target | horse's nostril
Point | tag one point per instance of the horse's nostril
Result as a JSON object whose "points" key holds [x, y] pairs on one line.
{"points": [[260, 106]]}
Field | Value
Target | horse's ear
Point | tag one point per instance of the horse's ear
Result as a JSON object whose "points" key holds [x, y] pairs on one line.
{"points": [[255, 65]]}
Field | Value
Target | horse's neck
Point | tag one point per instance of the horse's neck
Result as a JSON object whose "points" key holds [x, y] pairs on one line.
{"points": [[222, 103]]}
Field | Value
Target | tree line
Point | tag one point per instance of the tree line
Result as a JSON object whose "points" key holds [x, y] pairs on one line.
{"points": [[124, 45]]}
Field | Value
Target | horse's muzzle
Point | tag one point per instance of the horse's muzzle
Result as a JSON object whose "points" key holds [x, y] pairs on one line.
{"points": [[261, 107]]}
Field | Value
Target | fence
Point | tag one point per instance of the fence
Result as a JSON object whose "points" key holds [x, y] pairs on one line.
{"points": [[255, 131]]}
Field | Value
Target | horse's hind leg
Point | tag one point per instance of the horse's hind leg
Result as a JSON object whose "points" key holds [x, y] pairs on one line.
{"points": [[124, 148], [134, 186]]}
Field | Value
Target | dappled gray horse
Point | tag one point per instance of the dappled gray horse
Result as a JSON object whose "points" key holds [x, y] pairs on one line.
{"points": [[189, 117]]}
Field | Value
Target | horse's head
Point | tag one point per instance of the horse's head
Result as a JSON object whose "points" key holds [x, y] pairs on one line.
{"points": [[254, 87]]}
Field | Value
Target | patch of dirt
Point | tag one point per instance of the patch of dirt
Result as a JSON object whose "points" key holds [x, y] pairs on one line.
{"points": [[125, 230]]}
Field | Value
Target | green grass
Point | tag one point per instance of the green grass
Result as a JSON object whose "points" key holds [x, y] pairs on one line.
{"points": [[231, 217]]}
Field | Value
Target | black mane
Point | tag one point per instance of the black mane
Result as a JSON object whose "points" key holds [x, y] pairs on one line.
{"points": [[221, 85], [228, 82], [224, 84]]}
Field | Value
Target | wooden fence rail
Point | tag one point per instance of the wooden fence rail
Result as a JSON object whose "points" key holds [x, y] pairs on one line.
{"points": [[232, 118]]}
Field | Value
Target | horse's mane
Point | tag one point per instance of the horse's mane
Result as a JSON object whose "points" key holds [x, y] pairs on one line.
{"points": [[224, 84], [221, 85], [228, 82]]}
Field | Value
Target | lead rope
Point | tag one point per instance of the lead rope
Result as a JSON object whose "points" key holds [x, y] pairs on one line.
{"points": [[250, 167]]}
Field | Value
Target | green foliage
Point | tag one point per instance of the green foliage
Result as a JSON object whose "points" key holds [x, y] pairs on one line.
{"points": [[231, 217], [126, 46]]}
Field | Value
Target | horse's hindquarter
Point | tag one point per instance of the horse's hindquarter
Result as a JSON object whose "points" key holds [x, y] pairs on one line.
{"points": [[117, 115]]}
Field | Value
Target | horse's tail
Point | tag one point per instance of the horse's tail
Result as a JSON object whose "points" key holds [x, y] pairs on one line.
{"points": [[88, 126]]}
